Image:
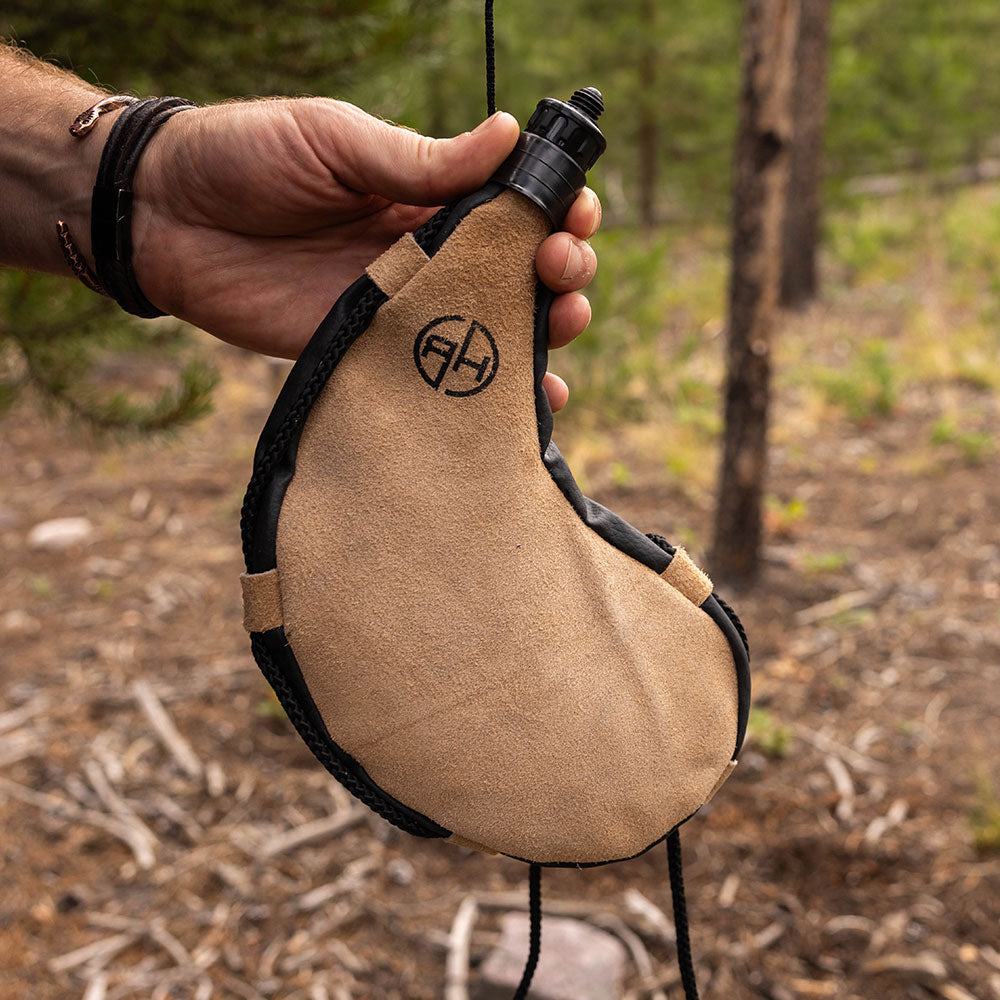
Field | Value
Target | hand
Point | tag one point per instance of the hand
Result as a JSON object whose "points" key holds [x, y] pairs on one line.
{"points": [[251, 218]]}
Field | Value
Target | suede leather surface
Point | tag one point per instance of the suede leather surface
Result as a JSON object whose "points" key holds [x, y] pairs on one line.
{"points": [[540, 692], [397, 265], [685, 576], [261, 601]]}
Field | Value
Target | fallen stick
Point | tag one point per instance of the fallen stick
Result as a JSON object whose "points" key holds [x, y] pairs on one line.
{"points": [[639, 906], [557, 908], [844, 810], [640, 957], [47, 802], [880, 824], [164, 727], [823, 742], [14, 718], [456, 977], [318, 829], [115, 803], [836, 605], [97, 988], [98, 952]]}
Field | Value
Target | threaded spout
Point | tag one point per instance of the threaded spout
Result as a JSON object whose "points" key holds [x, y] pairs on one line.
{"points": [[589, 101]]}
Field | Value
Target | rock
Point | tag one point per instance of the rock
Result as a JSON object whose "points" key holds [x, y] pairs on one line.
{"points": [[60, 533], [577, 962], [400, 871]]}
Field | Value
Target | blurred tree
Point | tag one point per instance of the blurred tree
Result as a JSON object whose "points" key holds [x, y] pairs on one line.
{"points": [[800, 238], [770, 30], [649, 113]]}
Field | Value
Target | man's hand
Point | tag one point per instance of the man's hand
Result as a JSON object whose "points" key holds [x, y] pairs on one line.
{"points": [[251, 218]]}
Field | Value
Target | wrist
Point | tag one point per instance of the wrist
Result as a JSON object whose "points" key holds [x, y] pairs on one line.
{"points": [[46, 174]]}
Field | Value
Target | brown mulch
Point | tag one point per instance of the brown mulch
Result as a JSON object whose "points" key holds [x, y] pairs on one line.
{"points": [[172, 859]]}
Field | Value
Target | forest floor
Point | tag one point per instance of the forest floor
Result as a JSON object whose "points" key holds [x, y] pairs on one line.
{"points": [[854, 854]]}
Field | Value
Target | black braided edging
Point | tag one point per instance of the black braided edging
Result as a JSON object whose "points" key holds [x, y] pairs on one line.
{"points": [[737, 624], [733, 617], [662, 542], [323, 748], [348, 333], [352, 328]]}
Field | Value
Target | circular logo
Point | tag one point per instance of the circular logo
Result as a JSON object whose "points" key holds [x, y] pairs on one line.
{"points": [[456, 355]]}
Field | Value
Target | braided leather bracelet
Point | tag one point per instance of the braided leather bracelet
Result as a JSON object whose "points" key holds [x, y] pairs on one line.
{"points": [[111, 203]]}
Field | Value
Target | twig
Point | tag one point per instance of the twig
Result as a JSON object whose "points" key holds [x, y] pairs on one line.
{"points": [[97, 953], [823, 742], [97, 988], [318, 829], [243, 989], [836, 605], [730, 886], [14, 718], [139, 845], [880, 824], [844, 810], [169, 735], [557, 908], [115, 803], [459, 942], [640, 957], [351, 878], [638, 905]]}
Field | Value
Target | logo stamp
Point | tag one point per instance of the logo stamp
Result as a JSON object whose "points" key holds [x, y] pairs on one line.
{"points": [[456, 355]]}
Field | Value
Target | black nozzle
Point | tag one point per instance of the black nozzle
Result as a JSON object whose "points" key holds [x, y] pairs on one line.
{"points": [[553, 154]]}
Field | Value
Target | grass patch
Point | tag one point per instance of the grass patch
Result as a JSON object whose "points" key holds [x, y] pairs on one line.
{"points": [[984, 816], [973, 446], [770, 737]]}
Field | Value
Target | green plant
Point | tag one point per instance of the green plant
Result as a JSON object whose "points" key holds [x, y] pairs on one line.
{"points": [[984, 815], [824, 562], [771, 738], [782, 516], [66, 343], [868, 389], [973, 445]]}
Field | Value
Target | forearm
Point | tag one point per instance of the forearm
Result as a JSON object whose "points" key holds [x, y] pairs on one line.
{"points": [[45, 173]]}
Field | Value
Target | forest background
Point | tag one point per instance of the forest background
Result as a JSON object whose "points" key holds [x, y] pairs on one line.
{"points": [[856, 853]]}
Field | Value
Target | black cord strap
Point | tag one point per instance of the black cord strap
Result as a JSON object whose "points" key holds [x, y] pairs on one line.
{"points": [[111, 205], [491, 65], [684, 961], [535, 945]]}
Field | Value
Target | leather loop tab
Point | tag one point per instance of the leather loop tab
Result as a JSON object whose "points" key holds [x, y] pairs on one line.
{"points": [[730, 767], [397, 265], [683, 575], [471, 844], [261, 601]]}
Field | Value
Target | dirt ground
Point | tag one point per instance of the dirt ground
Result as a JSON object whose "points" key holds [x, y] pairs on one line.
{"points": [[839, 861]]}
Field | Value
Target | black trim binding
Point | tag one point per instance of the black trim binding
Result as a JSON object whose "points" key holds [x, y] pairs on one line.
{"points": [[274, 467], [278, 665]]}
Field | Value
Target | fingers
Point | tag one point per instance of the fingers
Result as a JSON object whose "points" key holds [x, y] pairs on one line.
{"points": [[375, 157], [557, 391], [565, 263], [568, 318], [584, 216]]}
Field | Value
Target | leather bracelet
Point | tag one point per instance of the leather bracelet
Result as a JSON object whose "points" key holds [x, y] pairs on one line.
{"points": [[111, 204], [81, 127]]}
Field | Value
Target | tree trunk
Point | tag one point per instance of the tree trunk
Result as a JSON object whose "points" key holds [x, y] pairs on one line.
{"points": [[649, 105], [799, 281], [770, 28]]}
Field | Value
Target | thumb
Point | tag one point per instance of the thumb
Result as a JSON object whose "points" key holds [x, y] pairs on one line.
{"points": [[395, 163]]}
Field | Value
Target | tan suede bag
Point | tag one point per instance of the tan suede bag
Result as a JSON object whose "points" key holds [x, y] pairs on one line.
{"points": [[474, 648]]}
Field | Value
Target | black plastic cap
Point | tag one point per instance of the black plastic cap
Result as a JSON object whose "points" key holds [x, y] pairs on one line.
{"points": [[553, 154]]}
